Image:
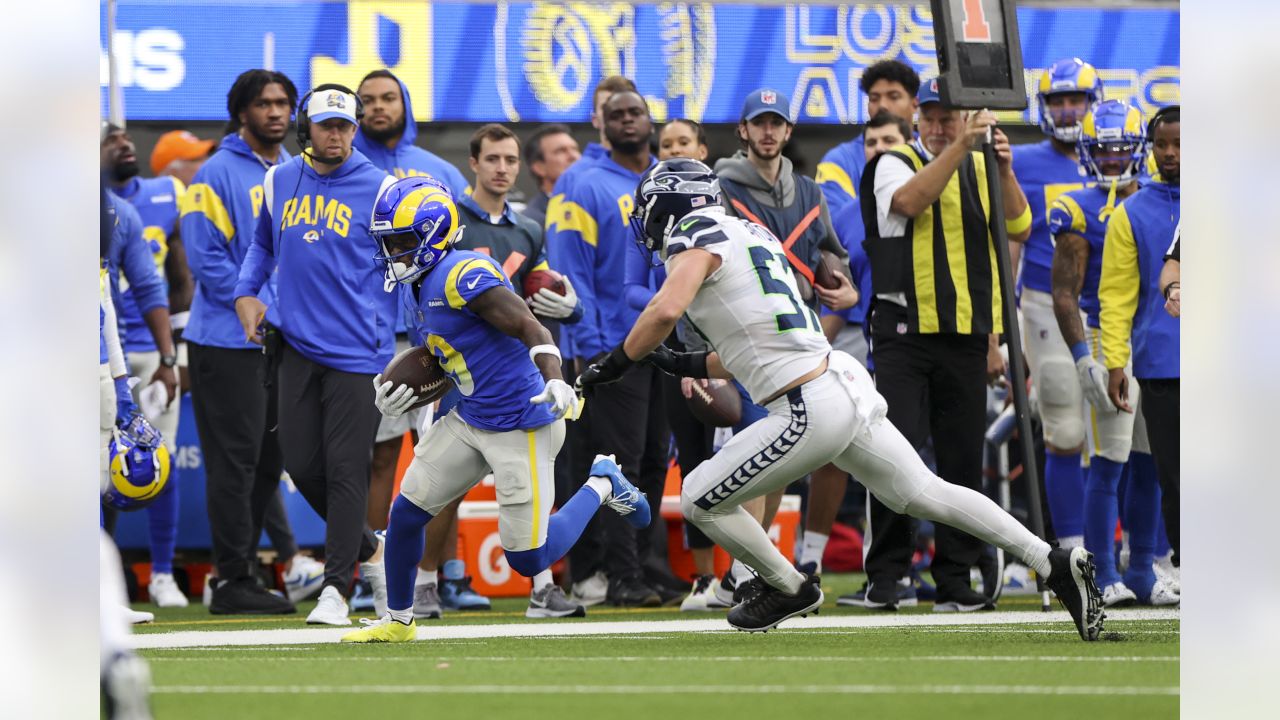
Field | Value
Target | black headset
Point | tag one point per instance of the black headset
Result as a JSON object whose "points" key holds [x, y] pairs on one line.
{"points": [[1155, 119], [304, 122]]}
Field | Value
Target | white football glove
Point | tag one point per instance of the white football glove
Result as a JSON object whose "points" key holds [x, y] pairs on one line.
{"points": [[392, 404], [562, 398], [553, 305], [1093, 382]]}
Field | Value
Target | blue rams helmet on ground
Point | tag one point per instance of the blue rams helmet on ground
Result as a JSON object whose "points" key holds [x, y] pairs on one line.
{"points": [[415, 221], [1071, 75], [667, 192], [139, 468], [1113, 142]]}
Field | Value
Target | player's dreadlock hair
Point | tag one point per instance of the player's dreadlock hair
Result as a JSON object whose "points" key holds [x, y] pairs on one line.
{"points": [[247, 87]]}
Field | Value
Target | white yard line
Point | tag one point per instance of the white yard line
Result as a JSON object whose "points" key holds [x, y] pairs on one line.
{"points": [[649, 690], [638, 629], [687, 658]]}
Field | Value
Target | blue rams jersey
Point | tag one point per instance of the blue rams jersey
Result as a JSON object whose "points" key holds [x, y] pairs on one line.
{"points": [[1080, 212], [156, 200], [840, 172], [1044, 174], [491, 371]]}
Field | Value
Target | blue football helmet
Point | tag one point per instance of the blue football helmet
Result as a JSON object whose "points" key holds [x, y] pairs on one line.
{"points": [[1071, 75], [415, 221], [1113, 131], [667, 192], [139, 469]]}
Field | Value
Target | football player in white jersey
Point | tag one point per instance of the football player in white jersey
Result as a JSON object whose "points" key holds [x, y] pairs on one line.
{"points": [[729, 278]]}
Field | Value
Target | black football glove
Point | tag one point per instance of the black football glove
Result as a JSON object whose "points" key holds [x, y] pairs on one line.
{"points": [[608, 369], [679, 364]]}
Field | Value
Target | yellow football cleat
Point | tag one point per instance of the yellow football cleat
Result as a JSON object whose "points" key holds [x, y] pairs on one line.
{"points": [[382, 630]]}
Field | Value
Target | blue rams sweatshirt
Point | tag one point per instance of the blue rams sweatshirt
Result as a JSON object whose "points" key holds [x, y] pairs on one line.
{"points": [[331, 305], [407, 159], [219, 218], [588, 238], [130, 264], [156, 200], [839, 174]]}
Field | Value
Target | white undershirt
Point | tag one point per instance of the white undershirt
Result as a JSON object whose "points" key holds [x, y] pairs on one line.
{"points": [[892, 172]]}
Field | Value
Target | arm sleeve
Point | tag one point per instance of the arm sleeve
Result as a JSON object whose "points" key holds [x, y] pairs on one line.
{"points": [[139, 265], [572, 235], [1118, 289], [207, 232], [111, 333], [260, 260], [637, 290]]}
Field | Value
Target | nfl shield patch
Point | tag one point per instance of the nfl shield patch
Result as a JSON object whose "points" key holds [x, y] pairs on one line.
{"points": [[769, 97]]}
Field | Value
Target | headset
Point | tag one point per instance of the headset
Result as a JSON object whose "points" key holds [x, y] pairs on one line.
{"points": [[304, 123]]}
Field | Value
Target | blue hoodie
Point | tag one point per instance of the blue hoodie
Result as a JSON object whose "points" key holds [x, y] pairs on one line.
{"points": [[588, 238], [839, 174], [156, 200], [132, 266], [219, 217], [407, 159], [331, 303]]}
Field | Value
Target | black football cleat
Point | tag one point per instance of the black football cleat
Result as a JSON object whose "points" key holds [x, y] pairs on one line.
{"points": [[765, 609], [1071, 578]]}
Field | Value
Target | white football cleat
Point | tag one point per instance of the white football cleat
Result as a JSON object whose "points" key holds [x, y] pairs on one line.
{"points": [[331, 610], [137, 617], [1118, 595], [1162, 595], [1169, 573], [164, 591], [591, 591], [304, 579]]}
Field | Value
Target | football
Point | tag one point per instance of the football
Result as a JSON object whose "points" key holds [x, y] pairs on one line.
{"points": [[538, 279], [419, 368], [716, 404], [825, 274]]}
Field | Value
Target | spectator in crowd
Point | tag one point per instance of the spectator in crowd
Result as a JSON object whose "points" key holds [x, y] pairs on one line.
{"points": [[1068, 90], [156, 202], [180, 155], [1134, 322], [588, 238], [934, 325], [231, 384], [333, 326], [549, 151]]}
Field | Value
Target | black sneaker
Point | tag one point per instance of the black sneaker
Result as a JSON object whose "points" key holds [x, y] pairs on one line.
{"points": [[244, 596], [881, 596], [747, 588], [764, 610], [1071, 578], [962, 599], [633, 594]]}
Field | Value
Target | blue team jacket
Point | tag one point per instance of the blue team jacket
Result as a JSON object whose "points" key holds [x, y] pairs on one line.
{"points": [[130, 264], [588, 238], [219, 217], [839, 174], [407, 159], [156, 200], [331, 304]]}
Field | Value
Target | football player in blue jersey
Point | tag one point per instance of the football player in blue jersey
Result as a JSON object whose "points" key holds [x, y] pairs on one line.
{"points": [[509, 419], [1112, 147], [1068, 90]]}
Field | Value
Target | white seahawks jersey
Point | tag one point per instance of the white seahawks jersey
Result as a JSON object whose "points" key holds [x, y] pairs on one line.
{"points": [[749, 308]]}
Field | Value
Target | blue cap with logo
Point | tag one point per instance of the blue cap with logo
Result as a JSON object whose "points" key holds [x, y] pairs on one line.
{"points": [[764, 101], [928, 92]]}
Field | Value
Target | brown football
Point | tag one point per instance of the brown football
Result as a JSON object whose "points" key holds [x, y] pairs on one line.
{"points": [[718, 405], [825, 274], [419, 368], [538, 279]]}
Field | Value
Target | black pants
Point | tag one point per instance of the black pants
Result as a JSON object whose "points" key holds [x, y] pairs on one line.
{"points": [[276, 522], [625, 419], [936, 386], [328, 423], [1160, 407], [235, 419], [694, 442]]}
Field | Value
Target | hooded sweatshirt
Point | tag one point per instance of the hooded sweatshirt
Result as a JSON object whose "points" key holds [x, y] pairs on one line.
{"points": [[840, 172], [156, 200], [407, 159], [331, 306], [792, 195], [219, 215], [130, 264]]}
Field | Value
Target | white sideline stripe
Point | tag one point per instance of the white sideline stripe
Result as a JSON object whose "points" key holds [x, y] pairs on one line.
{"points": [[1105, 690], [699, 658], [632, 628]]}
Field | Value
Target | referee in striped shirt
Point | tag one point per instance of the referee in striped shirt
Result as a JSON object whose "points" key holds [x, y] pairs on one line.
{"points": [[934, 323]]}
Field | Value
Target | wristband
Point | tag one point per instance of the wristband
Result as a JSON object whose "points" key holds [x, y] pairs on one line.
{"points": [[543, 350], [1079, 350], [178, 321]]}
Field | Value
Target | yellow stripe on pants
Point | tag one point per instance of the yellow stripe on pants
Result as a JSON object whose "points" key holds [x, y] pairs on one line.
{"points": [[533, 475]]}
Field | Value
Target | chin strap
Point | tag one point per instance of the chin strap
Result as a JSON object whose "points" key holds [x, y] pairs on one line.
{"points": [[1110, 207]]}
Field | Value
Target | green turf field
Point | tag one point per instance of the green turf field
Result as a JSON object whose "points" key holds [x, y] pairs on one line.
{"points": [[1011, 669]]}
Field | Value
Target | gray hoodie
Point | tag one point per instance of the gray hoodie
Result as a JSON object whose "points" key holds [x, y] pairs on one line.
{"points": [[781, 194]]}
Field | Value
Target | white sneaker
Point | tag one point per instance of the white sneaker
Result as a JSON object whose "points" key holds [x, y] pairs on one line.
{"points": [[304, 579], [1118, 595], [1162, 595], [206, 595], [331, 610], [550, 602], [703, 596], [591, 591], [1169, 573], [376, 575], [137, 617], [164, 591]]}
